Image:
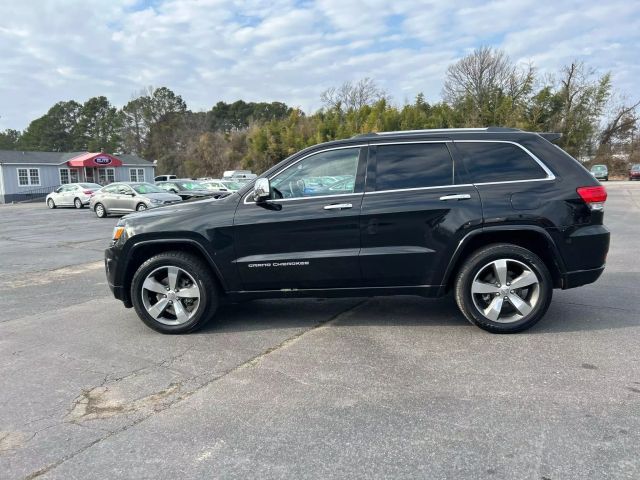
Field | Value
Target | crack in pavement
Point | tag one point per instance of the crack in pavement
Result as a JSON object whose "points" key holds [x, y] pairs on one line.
{"points": [[252, 362]]}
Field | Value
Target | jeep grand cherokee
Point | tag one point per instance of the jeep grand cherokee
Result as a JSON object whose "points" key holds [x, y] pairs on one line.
{"points": [[499, 216]]}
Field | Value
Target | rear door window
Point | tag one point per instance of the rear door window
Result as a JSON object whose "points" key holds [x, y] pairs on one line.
{"points": [[498, 162], [413, 165]]}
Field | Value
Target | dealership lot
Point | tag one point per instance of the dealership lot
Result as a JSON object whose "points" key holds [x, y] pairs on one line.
{"points": [[384, 387]]}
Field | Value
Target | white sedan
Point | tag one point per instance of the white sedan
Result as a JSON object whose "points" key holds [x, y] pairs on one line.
{"points": [[72, 195]]}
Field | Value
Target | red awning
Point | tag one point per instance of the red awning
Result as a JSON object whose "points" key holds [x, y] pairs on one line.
{"points": [[95, 160]]}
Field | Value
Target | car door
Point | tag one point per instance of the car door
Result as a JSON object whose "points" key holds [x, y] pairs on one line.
{"points": [[73, 191], [125, 199], [58, 195], [64, 196], [303, 238], [417, 207], [107, 196]]}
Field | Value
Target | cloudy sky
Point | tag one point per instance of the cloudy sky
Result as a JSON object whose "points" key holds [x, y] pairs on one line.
{"points": [[288, 50]]}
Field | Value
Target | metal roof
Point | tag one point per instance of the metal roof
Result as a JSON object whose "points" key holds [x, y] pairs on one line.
{"points": [[58, 158]]}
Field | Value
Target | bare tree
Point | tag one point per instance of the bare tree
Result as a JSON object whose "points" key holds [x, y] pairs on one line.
{"points": [[353, 96], [485, 78], [621, 124]]}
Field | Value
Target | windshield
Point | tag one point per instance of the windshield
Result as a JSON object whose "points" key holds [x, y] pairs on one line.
{"points": [[90, 185], [192, 186], [146, 188], [598, 167], [635, 168]]}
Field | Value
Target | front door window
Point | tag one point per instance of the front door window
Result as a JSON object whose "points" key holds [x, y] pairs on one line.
{"points": [[331, 172]]}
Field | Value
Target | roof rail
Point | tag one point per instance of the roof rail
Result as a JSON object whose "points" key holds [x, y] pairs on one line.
{"points": [[438, 130], [550, 136]]}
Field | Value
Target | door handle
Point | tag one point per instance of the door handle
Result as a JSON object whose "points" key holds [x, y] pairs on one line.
{"points": [[338, 206], [459, 196]]}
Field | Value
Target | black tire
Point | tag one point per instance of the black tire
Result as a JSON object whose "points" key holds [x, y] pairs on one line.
{"points": [[51, 204], [78, 203], [477, 262], [606, 179], [141, 207], [208, 302], [101, 211]]}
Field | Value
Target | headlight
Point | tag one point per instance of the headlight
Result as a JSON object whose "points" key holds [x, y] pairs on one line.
{"points": [[155, 200]]}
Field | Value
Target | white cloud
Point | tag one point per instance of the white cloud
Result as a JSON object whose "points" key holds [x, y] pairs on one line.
{"points": [[288, 50]]}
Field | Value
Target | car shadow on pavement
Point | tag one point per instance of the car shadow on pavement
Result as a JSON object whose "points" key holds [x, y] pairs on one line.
{"points": [[573, 313], [300, 313]]}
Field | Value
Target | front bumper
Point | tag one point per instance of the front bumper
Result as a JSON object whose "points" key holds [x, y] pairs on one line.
{"points": [[111, 269]]}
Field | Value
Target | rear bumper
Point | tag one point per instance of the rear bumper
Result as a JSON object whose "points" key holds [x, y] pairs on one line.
{"points": [[585, 253], [578, 278]]}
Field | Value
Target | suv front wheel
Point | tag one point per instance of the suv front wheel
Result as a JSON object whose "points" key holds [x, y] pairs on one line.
{"points": [[173, 293], [503, 288]]}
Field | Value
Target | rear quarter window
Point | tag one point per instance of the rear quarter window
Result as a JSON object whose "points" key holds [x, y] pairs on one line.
{"points": [[498, 162]]}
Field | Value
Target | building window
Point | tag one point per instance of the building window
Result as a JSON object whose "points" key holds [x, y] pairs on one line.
{"points": [[28, 177], [106, 175], [64, 176], [23, 177], [34, 176], [136, 174]]}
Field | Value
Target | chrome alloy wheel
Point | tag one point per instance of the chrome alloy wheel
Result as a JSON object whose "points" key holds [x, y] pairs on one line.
{"points": [[505, 290], [170, 295]]}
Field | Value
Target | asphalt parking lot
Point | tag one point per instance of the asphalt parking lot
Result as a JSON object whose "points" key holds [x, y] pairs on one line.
{"points": [[397, 387]]}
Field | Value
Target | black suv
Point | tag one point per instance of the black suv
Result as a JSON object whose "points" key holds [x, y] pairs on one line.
{"points": [[499, 216]]}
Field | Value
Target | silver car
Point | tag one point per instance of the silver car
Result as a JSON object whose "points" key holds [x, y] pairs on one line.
{"points": [[72, 195], [129, 197]]}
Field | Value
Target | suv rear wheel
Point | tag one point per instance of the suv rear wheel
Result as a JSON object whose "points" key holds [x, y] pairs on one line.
{"points": [[173, 293], [504, 288]]}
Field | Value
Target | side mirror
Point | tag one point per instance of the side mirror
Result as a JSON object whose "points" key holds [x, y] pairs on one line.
{"points": [[261, 190]]}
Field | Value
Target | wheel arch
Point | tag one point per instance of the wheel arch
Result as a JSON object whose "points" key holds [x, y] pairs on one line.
{"points": [[145, 249], [530, 237]]}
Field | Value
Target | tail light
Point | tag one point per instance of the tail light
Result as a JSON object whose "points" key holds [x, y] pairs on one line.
{"points": [[594, 197]]}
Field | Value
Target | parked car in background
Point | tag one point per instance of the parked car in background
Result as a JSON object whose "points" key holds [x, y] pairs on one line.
{"points": [[126, 197], [72, 195], [634, 172], [223, 185], [238, 174], [164, 178], [187, 189], [235, 184], [214, 185], [497, 216], [601, 172]]}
